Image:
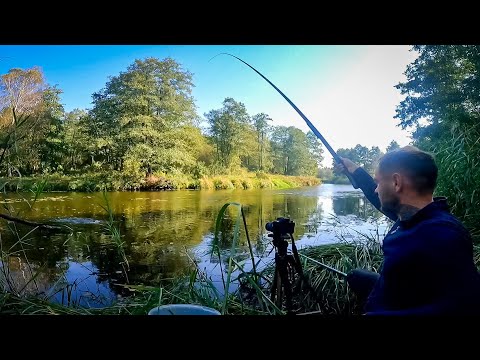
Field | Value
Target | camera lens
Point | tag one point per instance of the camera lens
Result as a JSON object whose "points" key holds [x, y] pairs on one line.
{"points": [[269, 226]]}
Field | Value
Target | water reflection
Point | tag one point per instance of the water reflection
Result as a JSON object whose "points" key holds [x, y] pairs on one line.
{"points": [[161, 232]]}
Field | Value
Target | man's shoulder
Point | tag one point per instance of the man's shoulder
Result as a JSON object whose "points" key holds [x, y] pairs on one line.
{"points": [[442, 220], [444, 229]]}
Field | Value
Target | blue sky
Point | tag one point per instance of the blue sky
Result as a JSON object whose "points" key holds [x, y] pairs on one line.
{"points": [[347, 92]]}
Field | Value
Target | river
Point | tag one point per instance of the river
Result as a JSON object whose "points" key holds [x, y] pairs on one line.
{"points": [[161, 234]]}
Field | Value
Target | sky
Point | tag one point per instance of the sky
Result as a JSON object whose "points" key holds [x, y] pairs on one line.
{"points": [[346, 91]]}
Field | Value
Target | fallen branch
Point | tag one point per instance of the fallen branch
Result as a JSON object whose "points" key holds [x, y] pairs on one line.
{"points": [[29, 223]]}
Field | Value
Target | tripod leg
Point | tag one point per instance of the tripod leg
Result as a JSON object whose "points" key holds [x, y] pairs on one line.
{"points": [[276, 294], [295, 273], [283, 270], [298, 278]]}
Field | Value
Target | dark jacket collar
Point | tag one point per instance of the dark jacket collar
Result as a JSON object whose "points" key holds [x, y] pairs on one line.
{"points": [[439, 204]]}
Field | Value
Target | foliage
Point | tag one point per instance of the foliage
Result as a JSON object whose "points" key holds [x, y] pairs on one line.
{"points": [[141, 118], [226, 127], [34, 142], [262, 128], [295, 153], [363, 156], [442, 105], [392, 146], [326, 175]]}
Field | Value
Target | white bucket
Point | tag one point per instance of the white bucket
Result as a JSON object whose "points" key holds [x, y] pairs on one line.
{"points": [[183, 309]]}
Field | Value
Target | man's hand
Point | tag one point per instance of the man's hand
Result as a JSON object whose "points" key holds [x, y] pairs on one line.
{"points": [[362, 282], [350, 166]]}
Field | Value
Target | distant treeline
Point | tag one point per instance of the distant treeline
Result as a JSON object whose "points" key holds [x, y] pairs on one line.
{"points": [[143, 124], [361, 155]]}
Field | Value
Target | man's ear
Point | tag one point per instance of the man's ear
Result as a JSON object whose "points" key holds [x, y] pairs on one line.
{"points": [[398, 182]]}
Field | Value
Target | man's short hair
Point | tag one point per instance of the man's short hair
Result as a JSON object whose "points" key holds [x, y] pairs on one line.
{"points": [[419, 166]]}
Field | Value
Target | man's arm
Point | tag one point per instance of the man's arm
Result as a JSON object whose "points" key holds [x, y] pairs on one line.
{"points": [[366, 183]]}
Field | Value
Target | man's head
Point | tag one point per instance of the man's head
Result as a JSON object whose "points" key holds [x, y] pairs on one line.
{"points": [[405, 176]]}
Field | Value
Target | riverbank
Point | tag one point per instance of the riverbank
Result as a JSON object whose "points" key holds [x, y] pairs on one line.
{"points": [[330, 294], [116, 181]]}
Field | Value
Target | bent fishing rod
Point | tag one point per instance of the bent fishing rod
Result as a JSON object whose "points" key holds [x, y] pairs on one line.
{"points": [[338, 272], [337, 158]]}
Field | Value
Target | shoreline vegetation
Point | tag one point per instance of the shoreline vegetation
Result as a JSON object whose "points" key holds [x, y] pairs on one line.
{"points": [[118, 182], [332, 294]]}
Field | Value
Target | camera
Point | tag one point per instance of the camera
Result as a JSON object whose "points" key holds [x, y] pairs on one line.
{"points": [[281, 225]]}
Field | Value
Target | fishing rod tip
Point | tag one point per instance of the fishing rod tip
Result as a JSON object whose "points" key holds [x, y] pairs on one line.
{"points": [[223, 53]]}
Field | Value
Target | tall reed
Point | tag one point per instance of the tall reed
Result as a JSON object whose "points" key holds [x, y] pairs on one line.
{"points": [[458, 159]]}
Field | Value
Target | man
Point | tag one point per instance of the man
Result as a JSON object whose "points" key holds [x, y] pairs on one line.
{"points": [[428, 263]]}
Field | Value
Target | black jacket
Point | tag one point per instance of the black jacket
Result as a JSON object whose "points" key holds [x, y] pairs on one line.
{"points": [[428, 263]]}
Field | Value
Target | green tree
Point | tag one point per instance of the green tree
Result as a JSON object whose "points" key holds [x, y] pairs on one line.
{"points": [[260, 122], [363, 156], [315, 147], [139, 118], [359, 154], [293, 154], [442, 105], [326, 174], [52, 148], [227, 132], [374, 154], [392, 146], [77, 142], [280, 151], [37, 144], [441, 89]]}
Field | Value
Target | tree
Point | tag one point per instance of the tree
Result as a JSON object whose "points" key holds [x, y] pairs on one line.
{"points": [[374, 154], [442, 105], [315, 147], [293, 155], [326, 174], [52, 147], [77, 143], [22, 90], [137, 119], [359, 154], [260, 122], [441, 91], [363, 156], [37, 143], [227, 126], [392, 146]]}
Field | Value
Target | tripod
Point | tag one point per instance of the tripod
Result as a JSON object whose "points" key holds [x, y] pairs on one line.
{"points": [[288, 276]]}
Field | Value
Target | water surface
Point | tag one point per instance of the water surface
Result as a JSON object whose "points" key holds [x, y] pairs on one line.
{"points": [[161, 233]]}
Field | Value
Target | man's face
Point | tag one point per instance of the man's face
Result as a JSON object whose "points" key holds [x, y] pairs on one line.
{"points": [[389, 199]]}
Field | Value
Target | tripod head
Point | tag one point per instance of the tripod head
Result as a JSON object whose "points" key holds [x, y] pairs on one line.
{"points": [[282, 229], [281, 226]]}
